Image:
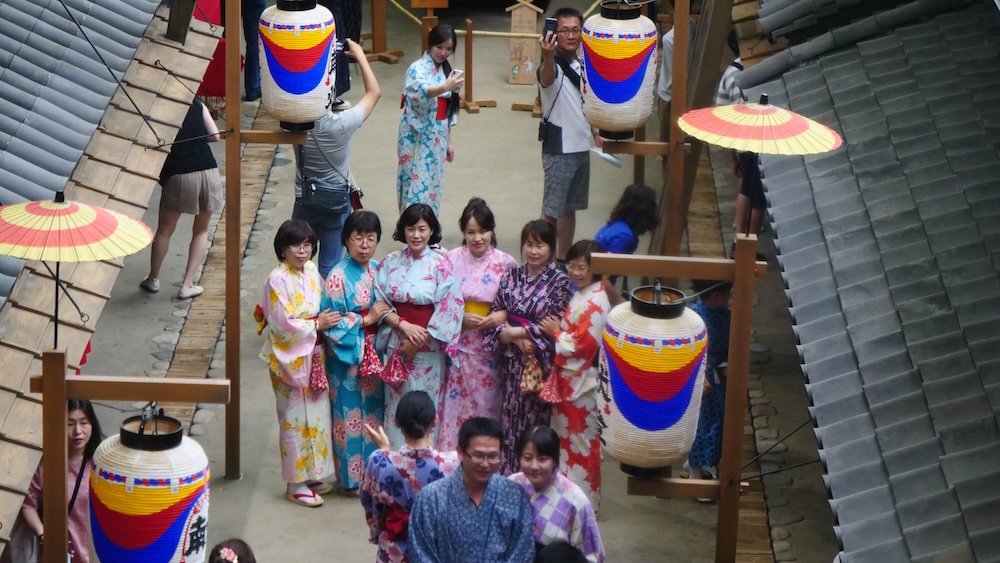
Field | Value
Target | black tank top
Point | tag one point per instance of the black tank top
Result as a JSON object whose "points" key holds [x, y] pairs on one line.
{"points": [[189, 156]]}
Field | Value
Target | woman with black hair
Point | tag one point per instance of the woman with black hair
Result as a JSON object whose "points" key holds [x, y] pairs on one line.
{"points": [[290, 300], [83, 435], [528, 294], [561, 509], [393, 479], [474, 384], [430, 108], [421, 332]]}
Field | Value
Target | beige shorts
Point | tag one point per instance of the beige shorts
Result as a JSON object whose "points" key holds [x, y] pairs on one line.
{"points": [[193, 192]]}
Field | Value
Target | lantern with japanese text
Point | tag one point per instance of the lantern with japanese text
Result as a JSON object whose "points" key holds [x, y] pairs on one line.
{"points": [[149, 494], [297, 40], [652, 366], [619, 63]]}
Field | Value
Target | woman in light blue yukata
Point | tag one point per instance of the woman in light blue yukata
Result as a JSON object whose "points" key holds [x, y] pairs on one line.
{"points": [[430, 108], [352, 366]]}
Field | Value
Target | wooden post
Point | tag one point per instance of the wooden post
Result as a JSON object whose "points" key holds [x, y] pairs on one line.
{"points": [[731, 462], [56, 390], [427, 23], [233, 25], [179, 21], [639, 161], [675, 217], [380, 46], [54, 462], [469, 101]]}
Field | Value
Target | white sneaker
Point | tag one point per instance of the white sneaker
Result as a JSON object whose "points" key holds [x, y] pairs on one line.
{"points": [[151, 285], [189, 292]]}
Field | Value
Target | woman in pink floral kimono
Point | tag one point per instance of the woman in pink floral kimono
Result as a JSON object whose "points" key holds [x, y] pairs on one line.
{"points": [[290, 302]]}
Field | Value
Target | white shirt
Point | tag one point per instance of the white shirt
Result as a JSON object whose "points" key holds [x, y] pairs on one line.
{"points": [[567, 111]]}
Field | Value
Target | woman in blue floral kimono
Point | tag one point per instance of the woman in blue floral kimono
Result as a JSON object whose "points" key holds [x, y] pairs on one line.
{"points": [[427, 312], [529, 294], [393, 479], [430, 106], [353, 367]]}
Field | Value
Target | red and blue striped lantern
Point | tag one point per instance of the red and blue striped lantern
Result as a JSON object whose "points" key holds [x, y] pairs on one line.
{"points": [[297, 40], [149, 495], [619, 60], [652, 366]]}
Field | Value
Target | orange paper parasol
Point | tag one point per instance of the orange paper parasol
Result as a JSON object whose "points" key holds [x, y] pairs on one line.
{"points": [[760, 128], [68, 231]]}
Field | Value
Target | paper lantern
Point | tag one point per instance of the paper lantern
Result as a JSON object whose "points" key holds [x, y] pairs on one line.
{"points": [[619, 63], [296, 40], [652, 365], [149, 495]]}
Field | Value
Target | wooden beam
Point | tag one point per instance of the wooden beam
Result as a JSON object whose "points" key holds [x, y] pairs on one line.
{"points": [[673, 212], [233, 25], [276, 137], [112, 388], [672, 487], [731, 462], [179, 21], [644, 148], [54, 458], [670, 266]]}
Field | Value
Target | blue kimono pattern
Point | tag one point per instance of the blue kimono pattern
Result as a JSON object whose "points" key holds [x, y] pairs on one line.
{"points": [[423, 137], [353, 399], [707, 447], [445, 525]]}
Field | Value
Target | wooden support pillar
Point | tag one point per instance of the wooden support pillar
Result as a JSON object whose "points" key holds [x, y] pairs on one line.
{"points": [[427, 23], [469, 101], [179, 21], [54, 455], [672, 209], [380, 45], [639, 161], [233, 25]]}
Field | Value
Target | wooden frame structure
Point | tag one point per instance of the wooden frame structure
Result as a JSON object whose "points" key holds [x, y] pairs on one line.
{"points": [[56, 390], [380, 45], [743, 272]]}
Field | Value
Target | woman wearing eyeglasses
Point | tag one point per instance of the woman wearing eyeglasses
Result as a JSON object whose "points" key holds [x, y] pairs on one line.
{"points": [[290, 303], [353, 367], [393, 479]]}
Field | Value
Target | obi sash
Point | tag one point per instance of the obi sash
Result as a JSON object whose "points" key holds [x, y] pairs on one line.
{"points": [[442, 107], [481, 308], [518, 320], [416, 314]]}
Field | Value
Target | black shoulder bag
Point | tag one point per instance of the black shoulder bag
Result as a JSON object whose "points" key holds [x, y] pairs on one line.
{"points": [[333, 198]]}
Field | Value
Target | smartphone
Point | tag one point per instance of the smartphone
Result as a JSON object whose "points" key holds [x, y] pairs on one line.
{"points": [[550, 27], [457, 72]]}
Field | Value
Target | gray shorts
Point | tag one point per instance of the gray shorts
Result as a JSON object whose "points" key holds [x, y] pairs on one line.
{"points": [[567, 183], [193, 192]]}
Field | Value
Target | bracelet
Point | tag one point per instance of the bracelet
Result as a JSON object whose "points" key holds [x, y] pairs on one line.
{"points": [[399, 323]]}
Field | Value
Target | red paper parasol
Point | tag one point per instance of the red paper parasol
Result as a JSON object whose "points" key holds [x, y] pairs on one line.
{"points": [[760, 128], [68, 231]]}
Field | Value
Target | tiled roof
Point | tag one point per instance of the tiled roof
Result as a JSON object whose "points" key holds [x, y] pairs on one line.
{"points": [[798, 18], [890, 250], [65, 124]]}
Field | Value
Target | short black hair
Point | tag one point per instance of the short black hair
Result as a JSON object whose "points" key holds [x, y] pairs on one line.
{"points": [[733, 42], [541, 230], [361, 221], [96, 436], [479, 426], [478, 210], [545, 440], [566, 12], [415, 413], [292, 232], [707, 286], [559, 552], [411, 216], [637, 207], [583, 249]]}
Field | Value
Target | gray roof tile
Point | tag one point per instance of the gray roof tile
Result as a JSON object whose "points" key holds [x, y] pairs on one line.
{"points": [[908, 458], [942, 535], [905, 434], [975, 433], [961, 410], [924, 307], [841, 409], [899, 408], [836, 387], [929, 327], [919, 482], [885, 366], [946, 366], [829, 367], [888, 388], [845, 430], [937, 505], [986, 544], [869, 532]]}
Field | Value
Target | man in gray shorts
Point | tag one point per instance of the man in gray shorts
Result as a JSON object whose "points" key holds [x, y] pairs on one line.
{"points": [[565, 134]]}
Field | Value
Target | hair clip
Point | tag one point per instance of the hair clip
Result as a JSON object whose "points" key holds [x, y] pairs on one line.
{"points": [[227, 554]]}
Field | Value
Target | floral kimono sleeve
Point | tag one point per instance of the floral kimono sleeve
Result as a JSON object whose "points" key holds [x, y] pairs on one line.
{"points": [[491, 336], [343, 338], [446, 322], [292, 330]]}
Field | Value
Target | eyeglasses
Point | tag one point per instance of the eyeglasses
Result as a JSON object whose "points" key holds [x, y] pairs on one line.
{"points": [[371, 240], [480, 457], [571, 31], [577, 269], [301, 246]]}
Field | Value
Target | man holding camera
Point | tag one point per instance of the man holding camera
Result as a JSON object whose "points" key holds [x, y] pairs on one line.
{"points": [[564, 132]]}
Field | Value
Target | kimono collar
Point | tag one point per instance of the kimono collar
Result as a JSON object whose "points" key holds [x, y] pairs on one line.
{"points": [[459, 484], [489, 251], [547, 269], [596, 287], [416, 453], [291, 270]]}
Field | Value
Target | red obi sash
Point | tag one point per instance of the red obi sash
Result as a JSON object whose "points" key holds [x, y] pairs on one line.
{"points": [[416, 314], [442, 109]]}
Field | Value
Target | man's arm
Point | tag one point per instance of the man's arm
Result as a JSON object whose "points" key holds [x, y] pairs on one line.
{"points": [[372, 90], [421, 547], [547, 70], [522, 536]]}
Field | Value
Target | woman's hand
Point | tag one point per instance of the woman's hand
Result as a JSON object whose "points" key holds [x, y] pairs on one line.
{"points": [[377, 435], [449, 155], [525, 345], [493, 320], [550, 325], [416, 334], [507, 334], [472, 321], [408, 349], [326, 319], [354, 51], [455, 81], [377, 311]]}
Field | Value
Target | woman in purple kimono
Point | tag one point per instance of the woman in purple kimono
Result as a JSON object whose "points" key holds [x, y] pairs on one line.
{"points": [[393, 479], [474, 386], [427, 312], [530, 293]]}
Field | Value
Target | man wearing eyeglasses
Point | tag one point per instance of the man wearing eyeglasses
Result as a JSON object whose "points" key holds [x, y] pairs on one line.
{"points": [[565, 134], [475, 515]]}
